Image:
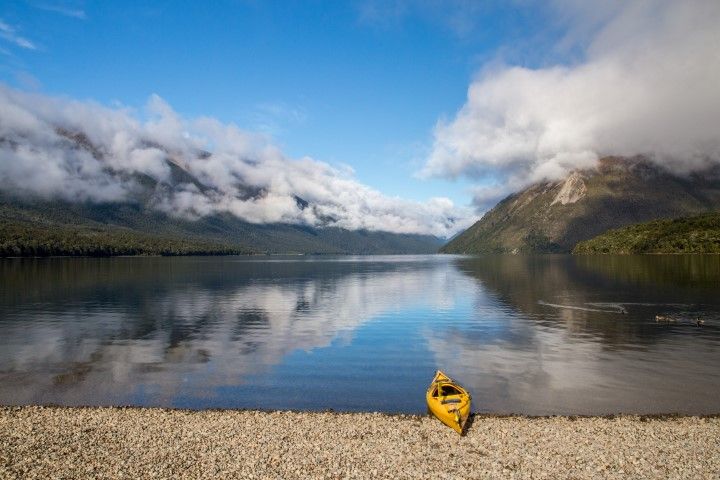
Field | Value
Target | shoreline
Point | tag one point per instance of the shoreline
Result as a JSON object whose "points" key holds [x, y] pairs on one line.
{"points": [[122, 442], [328, 254], [480, 415]]}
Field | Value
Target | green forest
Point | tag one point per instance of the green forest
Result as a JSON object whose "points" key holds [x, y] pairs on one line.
{"points": [[697, 234], [23, 240]]}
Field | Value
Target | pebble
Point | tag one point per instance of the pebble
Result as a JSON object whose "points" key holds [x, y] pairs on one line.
{"points": [[60, 442]]}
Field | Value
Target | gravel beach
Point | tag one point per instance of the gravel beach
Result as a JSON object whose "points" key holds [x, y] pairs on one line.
{"points": [[58, 442]]}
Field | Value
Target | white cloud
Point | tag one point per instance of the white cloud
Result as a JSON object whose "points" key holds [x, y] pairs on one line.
{"points": [[63, 10], [648, 85], [9, 33], [42, 152]]}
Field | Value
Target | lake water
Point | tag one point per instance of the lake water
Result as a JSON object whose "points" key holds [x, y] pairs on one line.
{"points": [[534, 335]]}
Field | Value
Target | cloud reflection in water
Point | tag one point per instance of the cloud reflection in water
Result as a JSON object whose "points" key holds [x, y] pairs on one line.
{"points": [[361, 333]]}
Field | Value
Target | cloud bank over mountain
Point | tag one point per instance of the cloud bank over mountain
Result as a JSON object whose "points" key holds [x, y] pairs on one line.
{"points": [[82, 151], [648, 83]]}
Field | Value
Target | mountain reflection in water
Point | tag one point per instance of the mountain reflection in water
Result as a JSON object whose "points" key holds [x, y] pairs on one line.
{"points": [[536, 335]]}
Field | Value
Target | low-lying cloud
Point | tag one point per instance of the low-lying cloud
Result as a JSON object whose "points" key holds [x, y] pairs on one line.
{"points": [[649, 84], [82, 151]]}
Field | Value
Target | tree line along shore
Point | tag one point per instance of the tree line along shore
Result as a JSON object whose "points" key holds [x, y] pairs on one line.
{"points": [[687, 235], [698, 234], [22, 240]]}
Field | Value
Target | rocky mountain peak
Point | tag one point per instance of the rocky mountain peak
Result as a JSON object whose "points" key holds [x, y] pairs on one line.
{"points": [[572, 190]]}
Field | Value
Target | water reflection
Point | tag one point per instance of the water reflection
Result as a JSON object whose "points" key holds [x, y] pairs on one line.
{"points": [[526, 334], [579, 334], [171, 331]]}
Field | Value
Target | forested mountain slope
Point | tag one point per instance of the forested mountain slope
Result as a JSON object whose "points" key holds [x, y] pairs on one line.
{"points": [[555, 216]]}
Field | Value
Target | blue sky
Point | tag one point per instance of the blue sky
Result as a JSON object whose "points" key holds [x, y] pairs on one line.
{"points": [[355, 83], [482, 97]]}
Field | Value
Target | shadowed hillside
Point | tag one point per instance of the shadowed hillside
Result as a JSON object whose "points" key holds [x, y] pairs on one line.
{"points": [[40, 228]]}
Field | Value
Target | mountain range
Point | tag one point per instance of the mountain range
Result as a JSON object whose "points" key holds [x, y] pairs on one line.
{"points": [[31, 224], [547, 217]]}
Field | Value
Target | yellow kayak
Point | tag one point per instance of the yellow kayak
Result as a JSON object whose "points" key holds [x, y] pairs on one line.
{"points": [[448, 401]]}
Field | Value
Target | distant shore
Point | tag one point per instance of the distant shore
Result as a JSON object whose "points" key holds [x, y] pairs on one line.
{"points": [[43, 442]]}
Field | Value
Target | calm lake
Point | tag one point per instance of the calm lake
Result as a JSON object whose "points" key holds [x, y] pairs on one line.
{"points": [[534, 335]]}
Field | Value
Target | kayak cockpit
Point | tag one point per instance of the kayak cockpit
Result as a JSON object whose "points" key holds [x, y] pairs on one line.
{"points": [[448, 395]]}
